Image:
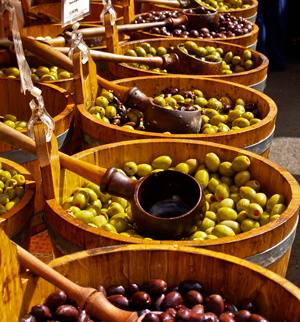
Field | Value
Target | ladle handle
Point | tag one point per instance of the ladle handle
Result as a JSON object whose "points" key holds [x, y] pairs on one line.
{"points": [[115, 181], [94, 303], [56, 58]]}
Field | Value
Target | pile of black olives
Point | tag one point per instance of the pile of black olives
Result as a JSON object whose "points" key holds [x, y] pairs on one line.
{"points": [[183, 302], [229, 27], [218, 115], [235, 202], [11, 189]]}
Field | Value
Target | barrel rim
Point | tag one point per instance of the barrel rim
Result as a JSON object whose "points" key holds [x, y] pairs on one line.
{"points": [[290, 214]]}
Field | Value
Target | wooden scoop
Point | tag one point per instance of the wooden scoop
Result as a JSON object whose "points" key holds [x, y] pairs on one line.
{"points": [[177, 63], [156, 118], [165, 205], [87, 298]]}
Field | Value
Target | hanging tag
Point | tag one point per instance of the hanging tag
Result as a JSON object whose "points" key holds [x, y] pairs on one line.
{"points": [[74, 10], [77, 42], [108, 8]]}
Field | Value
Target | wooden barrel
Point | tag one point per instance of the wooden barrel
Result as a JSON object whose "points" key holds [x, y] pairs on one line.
{"points": [[256, 138], [255, 78], [249, 40], [247, 13], [59, 104], [17, 222], [268, 246], [217, 273]]}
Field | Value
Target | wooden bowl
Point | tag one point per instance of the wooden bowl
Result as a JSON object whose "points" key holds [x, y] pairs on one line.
{"points": [[247, 13], [17, 222], [255, 78], [268, 246], [249, 40], [59, 104], [218, 273], [256, 138]]}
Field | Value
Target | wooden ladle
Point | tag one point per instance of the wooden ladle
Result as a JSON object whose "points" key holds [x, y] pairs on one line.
{"points": [[87, 298], [156, 118], [165, 205], [181, 63]]}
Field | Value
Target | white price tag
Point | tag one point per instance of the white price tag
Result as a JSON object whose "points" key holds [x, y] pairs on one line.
{"points": [[74, 10]]}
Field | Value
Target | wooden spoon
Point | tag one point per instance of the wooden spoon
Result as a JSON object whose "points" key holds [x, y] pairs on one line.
{"points": [[181, 63], [156, 118], [165, 205], [87, 298]]}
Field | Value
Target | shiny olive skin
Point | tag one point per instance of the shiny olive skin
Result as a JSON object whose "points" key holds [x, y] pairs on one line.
{"points": [[55, 299], [101, 289], [41, 312], [172, 300], [193, 298], [224, 317], [82, 316], [183, 315], [215, 304], [189, 285], [140, 300], [257, 318], [151, 317], [66, 313], [242, 316], [120, 301], [155, 286], [116, 290], [28, 318], [156, 302]]}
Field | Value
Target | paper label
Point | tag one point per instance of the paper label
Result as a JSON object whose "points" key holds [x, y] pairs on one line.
{"points": [[74, 10]]}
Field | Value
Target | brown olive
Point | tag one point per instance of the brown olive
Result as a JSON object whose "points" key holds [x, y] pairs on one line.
{"points": [[225, 317], [156, 302], [140, 300], [171, 311], [198, 308], [257, 318], [55, 299], [151, 317], [215, 304], [155, 286], [82, 316], [242, 316], [183, 315], [28, 318], [212, 316], [172, 299], [66, 313], [165, 317], [101, 289], [200, 317], [189, 285], [41, 312], [132, 288], [173, 288], [116, 290], [192, 298], [228, 306], [247, 304], [119, 301]]}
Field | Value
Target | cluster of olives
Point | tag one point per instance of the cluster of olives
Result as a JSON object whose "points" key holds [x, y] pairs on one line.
{"points": [[229, 26], [227, 5], [11, 189], [42, 73], [185, 301], [231, 63], [109, 109], [234, 200], [220, 115], [12, 121]]}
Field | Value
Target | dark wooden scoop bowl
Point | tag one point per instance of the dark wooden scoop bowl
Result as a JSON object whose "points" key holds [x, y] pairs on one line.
{"points": [[87, 298], [165, 205], [177, 63], [156, 118]]}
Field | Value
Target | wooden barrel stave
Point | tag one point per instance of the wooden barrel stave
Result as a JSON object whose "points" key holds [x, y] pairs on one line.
{"points": [[273, 179]]}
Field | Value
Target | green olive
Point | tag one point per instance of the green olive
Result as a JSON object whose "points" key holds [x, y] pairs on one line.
{"points": [[247, 192], [241, 122], [20, 191], [3, 199], [225, 169], [182, 167], [161, 51], [212, 184], [234, 225], [119, 223], [274, 200], [241, 178], [143, 169], [201, 101], [264, 218], [228, 180], [193, 165], [85, 216], [5, 175], [109, 227], [222, 231], [254, 211], [260, 198], [227, 202], [81, 199], [278, 209], [114, 208], [212, 162], [102, 101], [211, 215], [178, 98], [159, 100], [110, 112], [254, 184], [12, 71], [241, 216], [140, 51], [222, 191], [202, 177], [226, 213], [130, 52], [198, 235], [130, 168], [249, 224], [242, 204]]}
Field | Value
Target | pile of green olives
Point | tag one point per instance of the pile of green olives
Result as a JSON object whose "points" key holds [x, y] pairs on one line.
{"points": [[12, 121], [235, 201], [231, 63], [41, 73], [109, 109], [186, 300], [227, 5], [11, 189]]}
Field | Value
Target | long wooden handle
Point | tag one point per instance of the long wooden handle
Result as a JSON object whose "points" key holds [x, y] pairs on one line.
{"points": [[21, 141], [114, 58], [94, 303]]}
